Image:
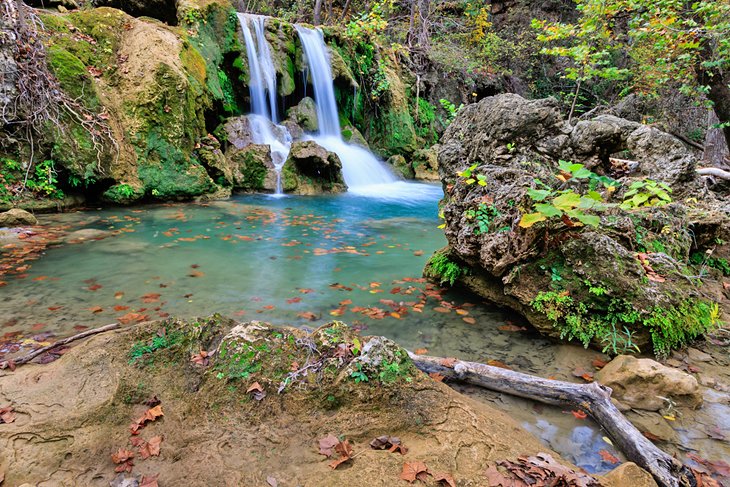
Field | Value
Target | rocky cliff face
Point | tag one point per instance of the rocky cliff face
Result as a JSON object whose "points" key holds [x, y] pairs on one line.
{"points": [[567, 225]]}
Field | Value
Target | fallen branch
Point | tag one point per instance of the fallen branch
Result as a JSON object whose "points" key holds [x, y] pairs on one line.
{"points": [[27, 358], [714, 171], [592, 398]]}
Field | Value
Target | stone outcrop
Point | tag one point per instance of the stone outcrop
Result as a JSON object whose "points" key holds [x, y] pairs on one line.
{"points": [[16, 217], [619, 279], [647, 384], [304, 114], [312, 169]]}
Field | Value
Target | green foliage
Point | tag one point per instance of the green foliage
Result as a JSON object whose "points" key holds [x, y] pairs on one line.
{"points": [[42, 180], [467, 174], [442, 268], [665, 41], [674, 327], [646, 193], [565, 204], [239, 360], [451, 109], [358, 375], [158, 342], [612, 323], [484, 216], [705, 259]]}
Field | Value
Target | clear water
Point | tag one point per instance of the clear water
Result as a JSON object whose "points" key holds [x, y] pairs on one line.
{"points": [[300, 261]]}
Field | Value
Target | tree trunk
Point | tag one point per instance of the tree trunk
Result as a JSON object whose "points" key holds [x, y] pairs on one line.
{"points": [[317, 11], [719, 94], [592, 398], [344, 10], [716, 149]]}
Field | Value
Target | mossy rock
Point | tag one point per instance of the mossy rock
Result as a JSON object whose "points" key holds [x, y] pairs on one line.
{"points": [[312, 169], [304, 114], [252, 167], [401, 166]]}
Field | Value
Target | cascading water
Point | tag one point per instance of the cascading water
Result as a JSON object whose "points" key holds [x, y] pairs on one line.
{"points": [[360, 168], [262, 88]]}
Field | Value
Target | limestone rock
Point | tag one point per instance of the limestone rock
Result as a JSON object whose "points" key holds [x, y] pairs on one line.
{"points": [[401, 166], [252, 168], [654, 424], [304, 114], [312, 169], [426, 165], [511, 143], [641, 383], [16, 217], [238, 131], [628, 475], [352, 135]]}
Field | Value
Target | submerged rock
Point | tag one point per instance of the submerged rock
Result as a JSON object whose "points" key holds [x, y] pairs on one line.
{"points": [[401, 166], [647, 384], [541, 216], [312, 169], [16, 217]]}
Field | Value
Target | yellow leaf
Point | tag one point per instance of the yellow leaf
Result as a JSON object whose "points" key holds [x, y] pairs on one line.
{"points": [[530, 219]]}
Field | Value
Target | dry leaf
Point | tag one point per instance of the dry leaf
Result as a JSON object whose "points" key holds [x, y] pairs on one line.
{"points": [[411, 470], [150, 448], [437, 377], [608, 458], [448, 362], [327, 445], [149, 481], [122, 455], [7, 414], [444, 479]]}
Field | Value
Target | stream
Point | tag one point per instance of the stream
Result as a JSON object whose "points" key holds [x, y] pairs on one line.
{"points": [[304, 261]]}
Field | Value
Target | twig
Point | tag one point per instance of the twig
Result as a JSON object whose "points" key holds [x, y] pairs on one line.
{"points": [[27, 358], [714, 171]]}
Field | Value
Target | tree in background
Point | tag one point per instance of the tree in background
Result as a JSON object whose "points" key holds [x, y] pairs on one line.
{"points": [[652, 44]]}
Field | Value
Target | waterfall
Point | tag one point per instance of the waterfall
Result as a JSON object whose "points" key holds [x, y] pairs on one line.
{"points": [[360, 168], [262, 89]]}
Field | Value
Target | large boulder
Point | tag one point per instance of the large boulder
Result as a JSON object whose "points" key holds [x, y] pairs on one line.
{"points": [[312, 169], [304, 114], [16, 217], [647, 384], [584, 267], [252, 168]]}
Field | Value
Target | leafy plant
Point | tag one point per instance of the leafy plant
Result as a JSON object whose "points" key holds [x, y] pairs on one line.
{"points": [[566, 205], [451, 109], [646, 193], [470, 177], [358, 375], [442, 268]]}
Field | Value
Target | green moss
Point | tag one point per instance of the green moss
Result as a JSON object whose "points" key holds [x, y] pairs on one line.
{"points": [[614, 323], [73, 76], [123, 194], [443, 269]]}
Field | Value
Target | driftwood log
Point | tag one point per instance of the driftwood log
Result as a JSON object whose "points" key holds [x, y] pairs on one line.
{"points": [[714, 171], [40, 351], [591, 398]]}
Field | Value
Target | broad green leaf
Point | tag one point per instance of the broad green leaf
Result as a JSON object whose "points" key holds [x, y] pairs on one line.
{"points": [[591, 220], [639, 199], [581, 173], [567, 201], [548, 210], [538, 194], [594, 195], [530, 219]]}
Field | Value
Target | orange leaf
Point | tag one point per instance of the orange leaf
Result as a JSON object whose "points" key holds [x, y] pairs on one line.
{"points": [[469, 320], [150, 448], [448, 362], [579, 414], [608, 458], [441, 309], [255, 387], [497, 363], [420, 351], [437, 377], [444, 479], [411, 470], [122, 455]]}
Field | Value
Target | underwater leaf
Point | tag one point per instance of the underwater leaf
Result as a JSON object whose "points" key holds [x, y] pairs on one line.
{"points": [[530, 219], [608, 458]]}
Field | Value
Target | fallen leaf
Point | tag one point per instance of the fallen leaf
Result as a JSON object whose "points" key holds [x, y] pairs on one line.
{"points": [[599, 363], [122, 455], [579, 414], [420, 351], [200, 358], [497, 363], [272, 481], [150, 448], [149, 481], [437, 377], [608, 458], [345, 450], [448, 362], [444, 479], [255, 387], [327, 445], [512, 328], [150, 415], [411, 470], [469, 320], [7, 414]]}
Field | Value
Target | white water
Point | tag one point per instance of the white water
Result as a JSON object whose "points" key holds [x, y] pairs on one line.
{"points": [[262, 89], [362, 171]]}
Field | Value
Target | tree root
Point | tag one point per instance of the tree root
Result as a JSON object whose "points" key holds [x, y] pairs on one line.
{"points": [[592, 398]]}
